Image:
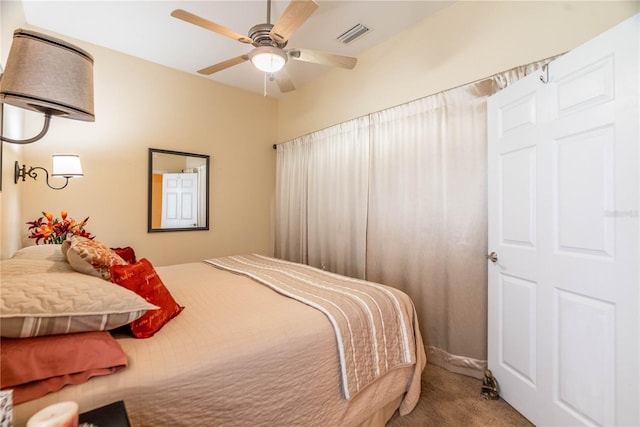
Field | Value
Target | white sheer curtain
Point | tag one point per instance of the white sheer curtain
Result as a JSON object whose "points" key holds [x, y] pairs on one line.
{"points": [[399, 197], [292, 160], [322, 221], [427, 229]]}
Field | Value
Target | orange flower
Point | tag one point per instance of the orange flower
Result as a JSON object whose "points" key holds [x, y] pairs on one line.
{"points": [[46, 231], [56, 231]]}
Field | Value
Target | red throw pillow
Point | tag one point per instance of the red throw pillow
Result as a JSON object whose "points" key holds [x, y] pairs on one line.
{"points": [[142, 279], [127, 254]]}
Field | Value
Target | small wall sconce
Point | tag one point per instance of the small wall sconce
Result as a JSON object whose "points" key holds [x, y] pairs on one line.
{"points": [[64, 166], [47, 75]]}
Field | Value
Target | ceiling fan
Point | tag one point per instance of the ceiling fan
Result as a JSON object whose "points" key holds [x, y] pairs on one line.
{"points": [[269, 41]]}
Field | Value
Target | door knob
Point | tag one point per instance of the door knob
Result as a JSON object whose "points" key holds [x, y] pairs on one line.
{"points": [[493, 257]]}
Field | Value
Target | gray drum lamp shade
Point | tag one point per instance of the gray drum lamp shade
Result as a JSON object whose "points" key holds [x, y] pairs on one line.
{"points": [[48, 75]]}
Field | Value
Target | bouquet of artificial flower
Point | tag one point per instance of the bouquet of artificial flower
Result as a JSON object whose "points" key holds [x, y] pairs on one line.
{"points": [[55, 230]]}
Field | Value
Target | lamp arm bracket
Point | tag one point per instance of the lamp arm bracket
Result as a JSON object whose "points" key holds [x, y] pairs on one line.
{"points": [[22, 172], [45, 128]]}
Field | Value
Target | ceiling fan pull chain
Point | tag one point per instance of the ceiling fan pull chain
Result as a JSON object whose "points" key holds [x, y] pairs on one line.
{"points": [[265, 84]]}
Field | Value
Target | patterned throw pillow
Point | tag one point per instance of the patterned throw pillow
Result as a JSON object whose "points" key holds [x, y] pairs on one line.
{"points": [[143, 279], [90, 257]]}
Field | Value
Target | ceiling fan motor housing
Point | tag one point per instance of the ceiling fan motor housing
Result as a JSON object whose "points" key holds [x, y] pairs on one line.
{"points": [[260, 36]]}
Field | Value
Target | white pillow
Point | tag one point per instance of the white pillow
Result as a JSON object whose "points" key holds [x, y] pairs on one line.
{"points": [[36, 259], [62, 303], [20, 266], [48, 252]]}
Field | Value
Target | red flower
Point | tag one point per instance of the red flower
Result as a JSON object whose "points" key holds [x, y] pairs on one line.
{"points": [[56, 231]]}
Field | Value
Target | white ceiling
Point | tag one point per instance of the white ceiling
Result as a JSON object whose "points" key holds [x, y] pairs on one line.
{"points": [[146, 30]]}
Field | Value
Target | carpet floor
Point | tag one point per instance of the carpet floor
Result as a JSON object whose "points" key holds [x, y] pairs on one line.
{"points": [[450, 399]]}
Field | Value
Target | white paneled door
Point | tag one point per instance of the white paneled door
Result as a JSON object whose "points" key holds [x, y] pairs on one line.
{"points": [[179, 200], [564, 329]]}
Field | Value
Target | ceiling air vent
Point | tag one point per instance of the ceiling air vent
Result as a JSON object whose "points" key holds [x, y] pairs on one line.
{"points": [[353, 33]]}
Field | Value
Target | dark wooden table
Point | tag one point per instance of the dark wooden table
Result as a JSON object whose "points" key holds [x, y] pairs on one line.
{"points": [[111, 415]]}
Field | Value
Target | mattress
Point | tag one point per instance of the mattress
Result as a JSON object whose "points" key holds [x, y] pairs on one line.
{"points": [[239, 354]]}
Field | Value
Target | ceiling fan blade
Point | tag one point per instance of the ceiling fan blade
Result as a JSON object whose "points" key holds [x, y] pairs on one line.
{"points": [[293, 17], [323, 58], [224, 65], [283, 79], [208, 25]]}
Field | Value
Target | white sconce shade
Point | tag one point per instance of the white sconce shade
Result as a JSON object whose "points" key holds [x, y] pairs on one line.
{"points": [[48, 75], [268, 59], [66, 166]]}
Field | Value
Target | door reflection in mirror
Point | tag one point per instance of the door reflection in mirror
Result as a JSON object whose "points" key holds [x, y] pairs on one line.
{"points": [[178, 191]]}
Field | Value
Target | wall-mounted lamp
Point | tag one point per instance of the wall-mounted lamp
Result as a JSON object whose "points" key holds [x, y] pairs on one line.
{"points": [[64, 166], [47, 75]]}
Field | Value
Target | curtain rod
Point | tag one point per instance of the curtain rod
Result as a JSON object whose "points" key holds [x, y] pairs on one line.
{"points": [[543, 62]]}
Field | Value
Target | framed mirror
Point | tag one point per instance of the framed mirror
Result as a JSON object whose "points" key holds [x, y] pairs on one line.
{"points": [[178, 191]]}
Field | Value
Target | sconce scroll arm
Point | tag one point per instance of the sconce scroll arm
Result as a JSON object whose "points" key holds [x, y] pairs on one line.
{"points": [[22, 172]]}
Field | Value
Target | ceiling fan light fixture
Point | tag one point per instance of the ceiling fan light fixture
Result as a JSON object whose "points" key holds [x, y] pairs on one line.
{"points": [[268, 59]]}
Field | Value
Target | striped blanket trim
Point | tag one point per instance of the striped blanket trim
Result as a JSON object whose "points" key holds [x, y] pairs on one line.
{"points": [[373, 326]]}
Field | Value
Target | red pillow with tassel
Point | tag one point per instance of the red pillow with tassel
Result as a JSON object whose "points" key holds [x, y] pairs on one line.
{"points": [[127, 254]]}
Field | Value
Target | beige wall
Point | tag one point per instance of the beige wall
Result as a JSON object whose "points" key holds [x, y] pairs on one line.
{"points": [[140, 105], [460, 44], [13, 118]]}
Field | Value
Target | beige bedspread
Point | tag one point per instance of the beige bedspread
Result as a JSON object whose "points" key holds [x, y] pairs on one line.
{"points": [[234, 356], [373, 326]]}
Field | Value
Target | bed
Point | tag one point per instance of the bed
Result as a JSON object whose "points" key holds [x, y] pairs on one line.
{"points": [[245, 352]]}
